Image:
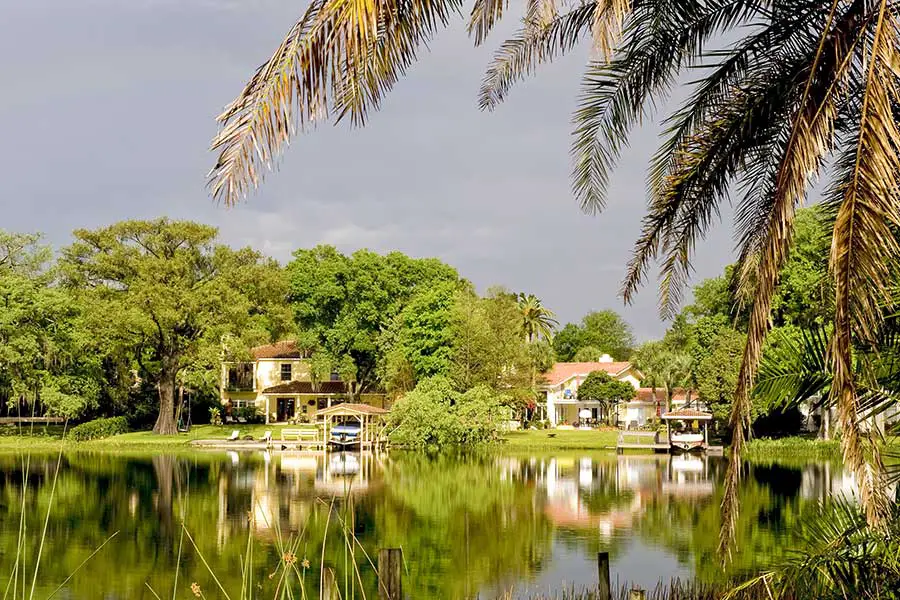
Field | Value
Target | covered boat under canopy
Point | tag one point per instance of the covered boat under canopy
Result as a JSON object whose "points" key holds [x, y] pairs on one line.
{"points": [[353, 425], [691, 438]]}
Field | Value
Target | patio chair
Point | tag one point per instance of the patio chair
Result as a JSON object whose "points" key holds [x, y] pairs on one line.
{"points": [[234, 436], [267, 438], [242, 420], [229, 420]]}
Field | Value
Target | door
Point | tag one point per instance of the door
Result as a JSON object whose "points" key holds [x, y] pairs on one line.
{"points": [[286, 408]]}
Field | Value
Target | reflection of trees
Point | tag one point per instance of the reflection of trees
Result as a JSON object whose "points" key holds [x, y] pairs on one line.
{"points": [[460, 524]]}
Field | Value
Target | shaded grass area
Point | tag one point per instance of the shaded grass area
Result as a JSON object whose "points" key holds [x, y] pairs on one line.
{"points": [[550, 439], [51, 437]]}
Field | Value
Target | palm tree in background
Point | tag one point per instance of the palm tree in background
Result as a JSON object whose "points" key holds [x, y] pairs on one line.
{"points": [[804, 83], [537, 320], [664, 368]]}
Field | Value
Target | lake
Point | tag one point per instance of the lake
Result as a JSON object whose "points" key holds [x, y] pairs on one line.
{"points": [[468, 524]]}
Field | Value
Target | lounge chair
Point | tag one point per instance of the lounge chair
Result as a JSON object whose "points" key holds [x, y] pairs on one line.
{"points": [[242, 420], [234, 436], [267, 438], [229, 420]]}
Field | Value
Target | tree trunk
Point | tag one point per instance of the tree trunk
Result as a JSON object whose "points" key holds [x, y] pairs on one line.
{"points": [[165, 422]]}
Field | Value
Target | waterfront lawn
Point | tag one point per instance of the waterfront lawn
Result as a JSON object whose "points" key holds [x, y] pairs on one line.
{"points": [[561, 439], [51, 437]]}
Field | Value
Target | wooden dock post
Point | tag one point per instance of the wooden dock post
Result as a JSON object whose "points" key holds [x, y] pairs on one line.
{"points": [[603, 590], [637, 594], [390, 582]]}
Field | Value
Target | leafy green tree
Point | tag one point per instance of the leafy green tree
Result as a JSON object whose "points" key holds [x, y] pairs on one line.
{"points": [[600, 332], [162, 291], [47, 356], [537, 320], [599, 386], [663, 367], [587, 354], [717, 372], [567, 342], [347, 302]]}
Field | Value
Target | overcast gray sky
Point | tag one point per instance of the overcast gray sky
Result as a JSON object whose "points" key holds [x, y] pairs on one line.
{"points": [[107, 111]]}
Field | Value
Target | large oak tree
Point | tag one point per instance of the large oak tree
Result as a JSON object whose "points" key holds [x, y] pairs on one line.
{"points": [[163, 291]]}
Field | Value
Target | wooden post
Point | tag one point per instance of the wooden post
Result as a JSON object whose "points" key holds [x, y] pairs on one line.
{"points": [[390, 584], [637, 594], [603, 591], [330, 589]]}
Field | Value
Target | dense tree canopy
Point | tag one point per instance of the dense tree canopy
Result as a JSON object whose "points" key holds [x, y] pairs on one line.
{"points": [[163, 292], [601, 387], [346, 302], [602, 331]]}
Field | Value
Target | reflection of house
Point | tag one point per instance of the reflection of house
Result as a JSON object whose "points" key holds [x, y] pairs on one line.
{"points": [[279, 383], [563, 407]]}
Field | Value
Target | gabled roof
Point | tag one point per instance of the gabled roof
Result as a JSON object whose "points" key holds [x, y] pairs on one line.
{"points": [[352, 409], [563, 371], [690, 414], [306, 387], [283, 349]]}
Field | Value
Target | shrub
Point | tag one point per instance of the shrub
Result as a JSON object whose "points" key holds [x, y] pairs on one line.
{"points": [[435, 415], [98, 429]]}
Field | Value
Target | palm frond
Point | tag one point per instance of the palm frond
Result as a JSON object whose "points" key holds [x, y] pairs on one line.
{"points": [[792, 373], [485, 14], [609, 18], [659, 40], [537, 42], [863, 247], [341, 56]]}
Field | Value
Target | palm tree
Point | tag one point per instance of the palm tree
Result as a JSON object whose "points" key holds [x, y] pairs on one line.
{"points": [[537, 321], [663, 368], [805, 83]]}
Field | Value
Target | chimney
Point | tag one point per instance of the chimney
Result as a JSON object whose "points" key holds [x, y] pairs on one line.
{"points": [[606, 358]]}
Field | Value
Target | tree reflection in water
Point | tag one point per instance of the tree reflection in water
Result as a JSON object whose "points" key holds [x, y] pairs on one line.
{"points": [[467, 523]]}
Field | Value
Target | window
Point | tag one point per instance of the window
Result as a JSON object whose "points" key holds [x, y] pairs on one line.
{"points": [[286, 371]]}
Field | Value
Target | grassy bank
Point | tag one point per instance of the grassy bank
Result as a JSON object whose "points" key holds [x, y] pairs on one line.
{"points": [[49, 438], [792, 448], [555, 439]]}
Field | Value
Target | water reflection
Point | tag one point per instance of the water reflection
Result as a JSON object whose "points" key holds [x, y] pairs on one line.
{"points": [[468, 524]]}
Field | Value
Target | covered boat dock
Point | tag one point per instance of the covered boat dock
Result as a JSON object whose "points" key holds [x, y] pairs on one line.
{"points": [[372, 432]]}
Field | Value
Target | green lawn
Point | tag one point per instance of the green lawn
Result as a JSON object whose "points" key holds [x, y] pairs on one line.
{"points": [[562, 439], [47, 438]]}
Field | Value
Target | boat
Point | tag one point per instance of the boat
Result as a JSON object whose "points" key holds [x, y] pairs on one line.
{"points": [[687, 442], [345, 435]]}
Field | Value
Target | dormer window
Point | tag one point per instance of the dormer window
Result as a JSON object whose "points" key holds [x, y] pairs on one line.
{"points": [[286, 371]]}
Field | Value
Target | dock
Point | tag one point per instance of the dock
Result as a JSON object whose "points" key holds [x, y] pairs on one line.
{"points": [[641, 440]]}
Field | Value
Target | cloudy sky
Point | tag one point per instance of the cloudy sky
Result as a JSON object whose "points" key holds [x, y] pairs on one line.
{"points": [[107, 111]]}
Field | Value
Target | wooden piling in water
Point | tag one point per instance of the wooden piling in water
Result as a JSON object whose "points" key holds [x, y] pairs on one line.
{"points": [[390, 582], [603, 589]]}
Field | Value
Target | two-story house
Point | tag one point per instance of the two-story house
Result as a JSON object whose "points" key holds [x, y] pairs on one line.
{"points": [[278, 383]]}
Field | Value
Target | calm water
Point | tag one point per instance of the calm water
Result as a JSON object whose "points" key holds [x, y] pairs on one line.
{"points": [[468, 525]]}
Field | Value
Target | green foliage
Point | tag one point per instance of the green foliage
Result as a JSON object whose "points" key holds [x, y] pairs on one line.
{"points": [[663, 367], [164, 294], [435, 415], [604, 332], [717, 371], [346, 302], [48, 355], [537, 321], [600, 386], [99, 429]]}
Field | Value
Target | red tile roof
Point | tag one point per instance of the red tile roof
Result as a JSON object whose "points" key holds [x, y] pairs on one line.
{"points": [[306, 387], [562, 371], [645, 394], [283, 349]]}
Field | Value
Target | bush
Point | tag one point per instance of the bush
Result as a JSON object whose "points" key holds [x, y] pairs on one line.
{"points": [[436, 415], [98, 429]]}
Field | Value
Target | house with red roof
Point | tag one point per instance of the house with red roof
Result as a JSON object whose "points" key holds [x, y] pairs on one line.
{"points": [[562, 406], [278, 383]]}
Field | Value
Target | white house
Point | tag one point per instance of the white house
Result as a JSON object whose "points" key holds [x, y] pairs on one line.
{"points": [[562, 381], [563, 407]]}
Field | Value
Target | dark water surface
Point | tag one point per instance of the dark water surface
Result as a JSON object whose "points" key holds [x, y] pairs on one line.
{"points": [[467, 524]]}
